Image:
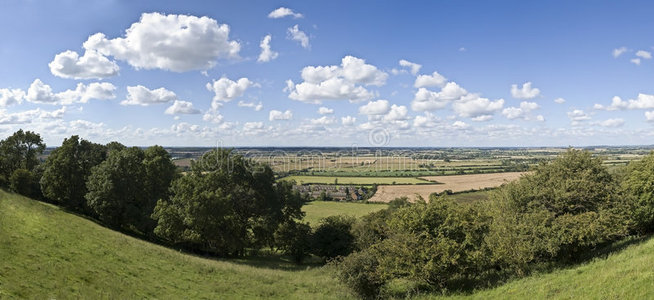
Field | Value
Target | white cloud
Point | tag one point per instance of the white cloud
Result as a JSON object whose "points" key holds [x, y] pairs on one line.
{"points": [[644, 54], [525, 92], [473, 106], [427, 120], [324, 120], [337, 82], [396, 113], [69, 64], [325, 111], [283, 12], [462, 49], [635, 61], [460, 125], [9, 97], [276, 115], [482, 118], [266, 53], [348, 120], [618, 51], [415, 68], [649, 115], [255, 106], [521, 112], [643, 101], [213, 115], [434, 79], [177, 43], [40, 92], [253, 128], [426, 100], [612, 123], [379, 107], [181, 107], [577, 116], [226, 89], [559, 100], [140, 95], [294, 33], [29, 116]]}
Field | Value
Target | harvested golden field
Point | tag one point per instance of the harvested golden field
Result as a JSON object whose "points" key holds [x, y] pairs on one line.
{"points": [[456, 183]]}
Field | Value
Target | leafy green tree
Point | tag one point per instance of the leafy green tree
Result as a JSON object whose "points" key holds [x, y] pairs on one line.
{"points": [[23, 182], [333, 237], [67, 169], [20, 151], [638, 184], [160, 171], [294, 239], [225, 204], [116, 188]]}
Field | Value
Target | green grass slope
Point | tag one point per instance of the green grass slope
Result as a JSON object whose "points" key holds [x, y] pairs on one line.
{"points": [[316, 210], [627, 274], [46, 253]]}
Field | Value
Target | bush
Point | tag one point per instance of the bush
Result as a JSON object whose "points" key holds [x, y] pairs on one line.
{"points": [[333, 237], [24, 182], [294, 239], [358, 271], [638, 185], [559, 211]]}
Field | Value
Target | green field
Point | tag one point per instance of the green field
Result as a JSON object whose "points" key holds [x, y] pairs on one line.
{"points": [[317, 210], [46, 253], [355, 180]]}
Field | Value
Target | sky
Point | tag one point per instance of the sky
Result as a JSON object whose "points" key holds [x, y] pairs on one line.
{"points": [[329, 73]]}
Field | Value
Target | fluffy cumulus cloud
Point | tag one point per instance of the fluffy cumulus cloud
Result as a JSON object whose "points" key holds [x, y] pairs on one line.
{"points": [[323, 121], [427, 120], [635, 61], [266, 53], [9, 97], [40, 92], [396, 113], [643, 101], [284, 12], [276, 115], [426, 100], [619, 51], [521, 112], [181, 107], [644, 54], [325, 111], [434, 79], [379, 107], [346, 81], [576, 116], [29, 116], [559, 100], [478, 108], [612, 123], [524, 92], [348, 120], [172, 42], [92, 65], [253, 128], [414, 68], [225, 89], [649, 115], [140, 95], [294, 33], [255, 106]]}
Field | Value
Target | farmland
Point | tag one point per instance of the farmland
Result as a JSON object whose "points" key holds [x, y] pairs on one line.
{"points": [[317, 210], [301, 179]]}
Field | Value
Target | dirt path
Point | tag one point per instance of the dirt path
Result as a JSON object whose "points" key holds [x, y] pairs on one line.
{"points": [[456, 183]]}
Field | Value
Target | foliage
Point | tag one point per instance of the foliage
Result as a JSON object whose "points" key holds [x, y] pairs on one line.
{"points": [[638, 184], [557, 212], [294, 239], [224, 205], [333, 237], [67, 169], [20, 151], [24, 182]]}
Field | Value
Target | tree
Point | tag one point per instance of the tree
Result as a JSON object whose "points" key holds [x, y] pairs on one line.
{"points": [[294, 239], [638, 184], [67, 169], [116, 188], [22, 181], [20, 151], [160, 171], [333, 237], [225, 204]]}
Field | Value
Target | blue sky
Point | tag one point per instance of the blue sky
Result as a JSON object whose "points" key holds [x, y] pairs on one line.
{"points": [[336, 73]]}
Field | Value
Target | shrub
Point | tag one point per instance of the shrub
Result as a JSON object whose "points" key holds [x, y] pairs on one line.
{"points": [[294, 239], [23, 182], [333, 237], [638, 184]]}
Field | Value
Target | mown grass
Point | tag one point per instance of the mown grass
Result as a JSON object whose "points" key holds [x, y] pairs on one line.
{"points": [[301, 179], [317, 210], [625, 274], [46, 253]]}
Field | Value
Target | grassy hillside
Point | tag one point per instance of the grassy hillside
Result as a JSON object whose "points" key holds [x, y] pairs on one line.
{"points": [[627, 274], [47, 253]]}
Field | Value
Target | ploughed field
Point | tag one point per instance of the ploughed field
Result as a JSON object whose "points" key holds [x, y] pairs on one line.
{"points": [[455, 183]]}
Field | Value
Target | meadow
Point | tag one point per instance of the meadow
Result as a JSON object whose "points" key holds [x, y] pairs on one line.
{"points": [[317, 210]]}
